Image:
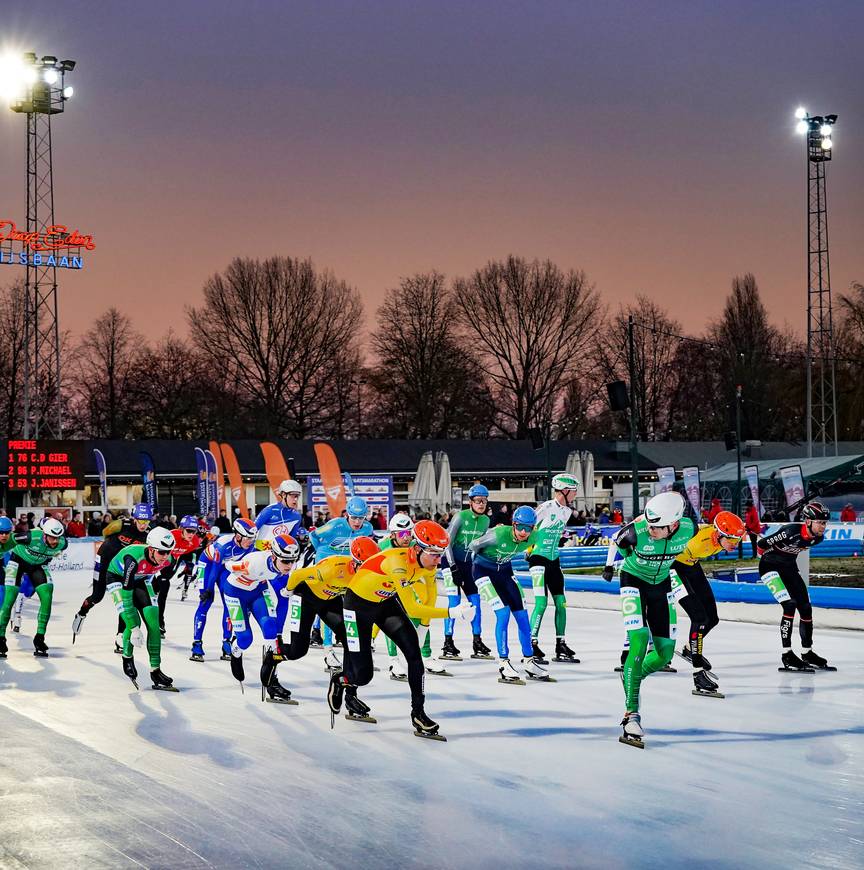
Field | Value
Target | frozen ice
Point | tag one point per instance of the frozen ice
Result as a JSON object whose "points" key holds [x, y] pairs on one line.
{"points": [[95, 774]]}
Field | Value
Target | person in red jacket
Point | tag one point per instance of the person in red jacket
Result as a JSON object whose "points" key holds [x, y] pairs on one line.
{"points": [[753, 524], [711, 514], [848, 514]]}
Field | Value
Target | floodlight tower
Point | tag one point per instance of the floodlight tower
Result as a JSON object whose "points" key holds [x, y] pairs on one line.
{"points": [[821, 394], [41, 93]]}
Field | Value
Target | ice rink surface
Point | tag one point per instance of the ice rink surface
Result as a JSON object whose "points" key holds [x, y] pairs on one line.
{"points": [[97, 775]]}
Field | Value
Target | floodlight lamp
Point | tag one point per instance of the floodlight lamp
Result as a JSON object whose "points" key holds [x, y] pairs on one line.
{"points": [[800, 112], [827, 144], [67, 92], [801, 127], [48, 60], [830, 119], [50, 75], [67, 65], [29, 57], [825, 130]]}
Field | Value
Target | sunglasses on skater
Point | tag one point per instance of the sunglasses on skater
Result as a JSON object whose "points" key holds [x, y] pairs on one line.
{"points": [[521, 527]]}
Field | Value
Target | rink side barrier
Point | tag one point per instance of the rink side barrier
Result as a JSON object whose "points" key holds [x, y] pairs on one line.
{"points": [[841, 597]]}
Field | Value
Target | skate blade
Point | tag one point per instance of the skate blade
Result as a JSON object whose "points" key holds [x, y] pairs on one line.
{"points": [[566, 661], [440, 737], [165, 689], [399, 679], [459, 658], [225, 657], [74, 636], [439, 673], [118, 652], [2, 655], [797, 670], [619, 669], [512, 682], [289, 701], [632, 741], [667, 670], [486, 658], [352, 718], [135, 683], [40, 655], [543, 679], [826, 668], [708, 694]]}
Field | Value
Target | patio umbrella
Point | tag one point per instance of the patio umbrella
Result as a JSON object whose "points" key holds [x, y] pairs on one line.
{"points": [[574, 467], [424, 490], [588, 477]]}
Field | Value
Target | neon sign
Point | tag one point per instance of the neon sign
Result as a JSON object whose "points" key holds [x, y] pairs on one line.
{"points": [[48, 248], [55, 237]]}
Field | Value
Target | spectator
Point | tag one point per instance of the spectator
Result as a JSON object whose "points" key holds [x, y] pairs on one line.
{"points": [[31, 520], [107, 519], [94, 527], [711, 514], [501, 517], [75, 529], [604, 517], [21, 525], [308, 522], [752, 524], [579, 520], [379, 521], [223, 523], [848, 514], [617, 516]]}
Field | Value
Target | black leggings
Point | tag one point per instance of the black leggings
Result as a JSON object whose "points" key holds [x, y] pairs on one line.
{"points": [[100, 572], [698, 604], [391, 618], [312, 606], [799, 598], [553, 576]]}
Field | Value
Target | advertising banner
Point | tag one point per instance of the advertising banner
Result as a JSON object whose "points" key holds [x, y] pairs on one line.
{"points": [[376, 489], [751, 472], [665, 479], [793, 483], [692, 488]]}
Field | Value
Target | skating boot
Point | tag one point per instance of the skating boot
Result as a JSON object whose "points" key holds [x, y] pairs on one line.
{"points": [[332, 661], [563, 653], [162, 631], [16, 617], [449, 652], [77, 622], [355, 709], [700, 661], [397, 671], [39, 648], [3, 648], [791, 662], [237, 670], [633, 732], [434, 667], [624, 654], [335, 691], [539, 655], [508, 674], [162, 682], [424, 726], [226, 651], [704, 685], [816, 661], [278, 694], [315, 639], [118, 645], [535, 671], [130, 670], [481, 651], [667, 669], [197, 652]]}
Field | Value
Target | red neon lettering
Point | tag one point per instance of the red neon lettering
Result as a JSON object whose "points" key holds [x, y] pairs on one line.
{"points": [[55, 237]]}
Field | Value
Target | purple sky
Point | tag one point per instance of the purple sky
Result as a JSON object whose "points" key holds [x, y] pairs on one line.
{"points": [[650, 144]]}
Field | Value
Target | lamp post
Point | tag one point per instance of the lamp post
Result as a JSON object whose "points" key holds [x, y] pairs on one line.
{"points": [[821, 394], [37, 88]]}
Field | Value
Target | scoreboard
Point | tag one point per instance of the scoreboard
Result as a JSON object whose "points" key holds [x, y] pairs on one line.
{"points": [[40, 464]]}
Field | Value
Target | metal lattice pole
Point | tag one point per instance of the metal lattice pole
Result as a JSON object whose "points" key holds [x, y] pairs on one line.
{"points": [[821, 391]]}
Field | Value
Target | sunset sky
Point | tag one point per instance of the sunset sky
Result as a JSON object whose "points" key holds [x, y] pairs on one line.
{"points": [[651, 144]]}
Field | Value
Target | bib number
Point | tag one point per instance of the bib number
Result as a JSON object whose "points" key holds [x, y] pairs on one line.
{"points": [[673, 612], [679, 590], [450, 587], [351, 633], [114, 591], [235, 613], [295, 611], [631, 608], [778, 588], [538, 580], [199, 577], [488, 593], [270, 600], [11, 571]]}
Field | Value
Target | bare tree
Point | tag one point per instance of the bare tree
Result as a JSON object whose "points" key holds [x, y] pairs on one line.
{"points": [[279, 327], [527, 322], [654, 356], [850, 351], [104, 359], [426, 383]]}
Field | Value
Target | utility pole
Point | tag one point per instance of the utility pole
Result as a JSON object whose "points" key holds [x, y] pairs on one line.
{"points": [[634, 419]]}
